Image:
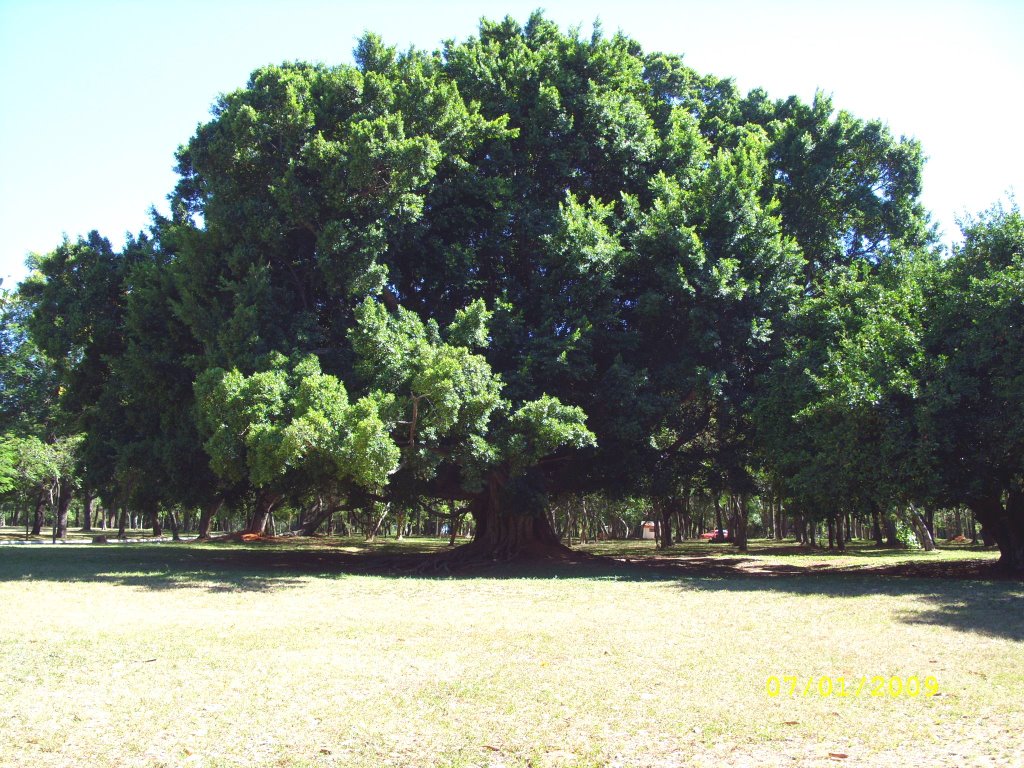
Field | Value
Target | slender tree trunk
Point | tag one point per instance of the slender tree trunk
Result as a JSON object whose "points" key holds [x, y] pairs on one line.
{"points": [[39, 515], [892, 538], [924, 535], [876, 526], [742, 518], [157, 523], [666, 525], [453, 518], [175, 533], [87, 513], [60, 523], [841, 531], [929, 523], [122, 523], [371, 531], [718, 518]]}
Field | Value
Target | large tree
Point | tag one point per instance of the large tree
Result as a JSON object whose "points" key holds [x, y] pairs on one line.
{"points": [[563, 187], [527, 264], [974, 406]]}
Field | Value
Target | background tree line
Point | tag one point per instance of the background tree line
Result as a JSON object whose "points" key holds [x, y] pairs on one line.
{"points": [[519, 272]]}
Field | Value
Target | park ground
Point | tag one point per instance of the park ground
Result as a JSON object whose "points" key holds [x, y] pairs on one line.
{"points": [[331, 652]]}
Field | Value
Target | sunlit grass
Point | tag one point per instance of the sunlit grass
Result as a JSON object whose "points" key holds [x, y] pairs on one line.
{"points": [[273, 655]]}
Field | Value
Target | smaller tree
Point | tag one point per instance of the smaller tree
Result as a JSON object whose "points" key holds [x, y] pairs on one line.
{"points": [[291, 420]]}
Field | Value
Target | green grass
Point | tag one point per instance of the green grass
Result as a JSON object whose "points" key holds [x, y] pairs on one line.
{"points": [[311, 653]]}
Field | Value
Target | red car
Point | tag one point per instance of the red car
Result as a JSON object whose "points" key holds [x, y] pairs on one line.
{"points": [[716, 536]]}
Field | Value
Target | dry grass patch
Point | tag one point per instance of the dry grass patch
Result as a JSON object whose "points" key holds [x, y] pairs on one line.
{"points": [[219, 656]]}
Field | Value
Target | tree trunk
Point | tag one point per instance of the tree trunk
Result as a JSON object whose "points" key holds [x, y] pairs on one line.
{"points": [[122, 522], [87, 513], [316, 518], [666, 526], [206, 514], [1006, 526], [175, 533], [841, 531], [501, 535], [60, 523], [742, 517], [892, 538], [373, 527], [453, 517], [506, 536], [265, 503], [154, 517], [39, 515], [876, 527], [924, 536]]}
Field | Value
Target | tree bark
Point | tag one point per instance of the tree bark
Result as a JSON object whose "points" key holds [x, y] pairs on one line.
{"points": [[122, 522]]}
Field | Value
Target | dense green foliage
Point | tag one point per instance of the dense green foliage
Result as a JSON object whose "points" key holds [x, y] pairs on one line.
{"points": [[529, 266]]}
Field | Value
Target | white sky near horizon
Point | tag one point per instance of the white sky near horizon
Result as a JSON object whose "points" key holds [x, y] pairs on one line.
{"points": [[96, 96]]}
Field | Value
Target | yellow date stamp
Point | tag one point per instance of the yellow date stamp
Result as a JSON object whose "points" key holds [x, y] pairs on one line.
{"points": [[874, 686]]}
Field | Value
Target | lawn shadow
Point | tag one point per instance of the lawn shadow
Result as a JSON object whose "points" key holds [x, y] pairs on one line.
{"points": [[166, 567], [966, 595]]}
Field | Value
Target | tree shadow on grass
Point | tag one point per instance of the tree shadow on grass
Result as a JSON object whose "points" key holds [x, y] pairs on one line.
{"points": [[175, 567], [966, 595]]}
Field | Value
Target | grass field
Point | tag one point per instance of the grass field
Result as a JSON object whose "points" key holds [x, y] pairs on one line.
{"points": [[314, 654]]}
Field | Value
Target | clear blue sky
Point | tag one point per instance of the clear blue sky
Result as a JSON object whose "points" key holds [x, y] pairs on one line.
{"points": [[96, 96]]}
